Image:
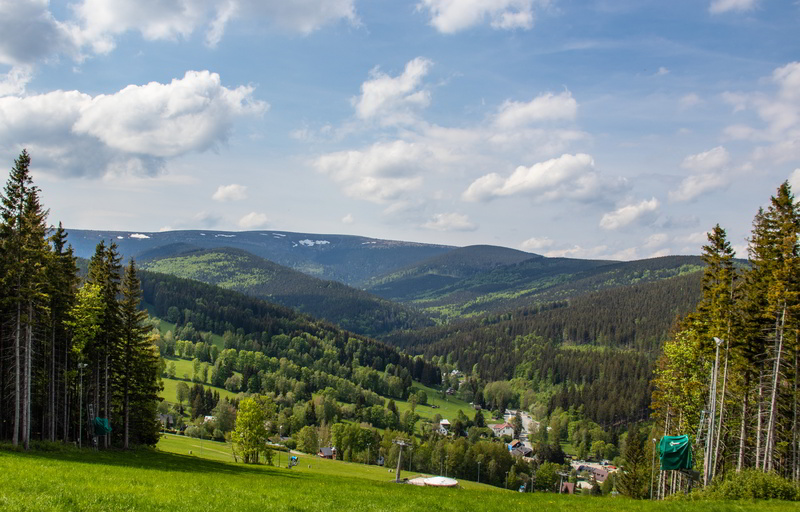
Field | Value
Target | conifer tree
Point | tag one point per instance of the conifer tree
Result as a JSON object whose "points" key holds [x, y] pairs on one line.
{"points": [[22, 235], [635, 475], [139, 360]]}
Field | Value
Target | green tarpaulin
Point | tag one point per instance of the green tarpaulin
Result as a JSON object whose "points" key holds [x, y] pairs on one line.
{"points": [[101, 426], [675, 452]]}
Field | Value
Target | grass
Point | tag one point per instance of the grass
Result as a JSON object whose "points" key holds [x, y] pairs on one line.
{"points": [[170, 391], [448, 407], [155, 480]]}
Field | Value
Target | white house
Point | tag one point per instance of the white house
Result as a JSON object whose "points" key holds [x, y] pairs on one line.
{"points": [[502, 429], [444, 427]]}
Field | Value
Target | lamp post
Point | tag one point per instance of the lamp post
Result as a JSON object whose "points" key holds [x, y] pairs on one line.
{"points": [[652, 468], [479, 471], [506, 479], [708, 470], [81, 366]]}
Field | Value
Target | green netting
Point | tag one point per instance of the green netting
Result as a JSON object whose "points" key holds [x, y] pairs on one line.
{"points": [[675, 452], [101, 426]]}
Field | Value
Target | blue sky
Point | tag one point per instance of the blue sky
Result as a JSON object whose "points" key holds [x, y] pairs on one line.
{"points": [[614, 129]]}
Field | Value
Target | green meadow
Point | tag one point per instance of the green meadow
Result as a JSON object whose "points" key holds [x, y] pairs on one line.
{"points": [[169, 478]]}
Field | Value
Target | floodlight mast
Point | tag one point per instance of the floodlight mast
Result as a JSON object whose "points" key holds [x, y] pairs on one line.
{"points": [[708, 470], [81, 366], [402, 444]]}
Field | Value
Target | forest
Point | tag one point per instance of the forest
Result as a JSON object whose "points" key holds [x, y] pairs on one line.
{"points": [[728, 375], [69, 355]]}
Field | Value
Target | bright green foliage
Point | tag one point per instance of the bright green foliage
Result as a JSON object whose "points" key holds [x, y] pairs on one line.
{"points": [[751, 484], [307, 439], [547, 477], [681, 380], [250, 434]]}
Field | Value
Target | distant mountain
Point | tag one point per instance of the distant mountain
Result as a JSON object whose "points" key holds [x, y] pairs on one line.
{"points": [[348, 259], [431, 287], [239, 270]]}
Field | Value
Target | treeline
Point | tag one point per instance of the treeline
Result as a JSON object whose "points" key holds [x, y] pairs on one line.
{"points": [[274, 331], [740, 407], [63, 347]]}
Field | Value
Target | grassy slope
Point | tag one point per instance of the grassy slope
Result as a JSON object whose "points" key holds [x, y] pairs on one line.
{"points": [[448, 407], [156, 481]]}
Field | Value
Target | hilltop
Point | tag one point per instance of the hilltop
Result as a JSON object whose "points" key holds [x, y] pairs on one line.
{"points": [[239, 270], [348, 259]]}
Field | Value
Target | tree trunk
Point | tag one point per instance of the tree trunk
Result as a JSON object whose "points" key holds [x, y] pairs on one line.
{"points": [[51, 410], [721, 406], [743, 429], [28, 396], [770, 445], [17, 370], [105, 397], [760, 414]]}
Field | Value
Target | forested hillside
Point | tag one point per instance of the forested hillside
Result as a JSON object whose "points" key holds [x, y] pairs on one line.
{"points": [[259, 326], [533, 280], [595, 350], [349, 308]]}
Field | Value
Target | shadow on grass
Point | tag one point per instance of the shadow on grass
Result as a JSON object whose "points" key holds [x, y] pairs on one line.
{"points": [[150, 459]]}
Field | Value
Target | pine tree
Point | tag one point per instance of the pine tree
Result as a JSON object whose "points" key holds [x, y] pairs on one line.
{"points": [[138, 367], [22, 236]]}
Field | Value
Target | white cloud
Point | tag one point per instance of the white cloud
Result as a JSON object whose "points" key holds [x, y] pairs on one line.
{"points": [[655, 240], [253, 220], [533, 244], [131, 131], [549, 106], [627, 214], [720, 6], [348, 219], [100, 22], [29, 33], [140, 236], [232, 192], [697, 184], [568, 176], [383, 172], [393, 100], [779, 112], [450, 222], [690, 100], [450, 16], [165, 120], [794, 181], [710, 160], [577, 251], [662, 71], [14, 82], [708, 167]]}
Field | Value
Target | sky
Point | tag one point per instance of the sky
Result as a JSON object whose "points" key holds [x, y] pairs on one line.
{"points": [[619, 129]]}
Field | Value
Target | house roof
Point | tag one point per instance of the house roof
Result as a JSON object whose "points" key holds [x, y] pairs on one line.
{"points": [[327, 452], [444, 422], [501, 426]]}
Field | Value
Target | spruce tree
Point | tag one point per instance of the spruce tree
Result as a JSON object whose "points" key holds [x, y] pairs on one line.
{"points": [[635, 475]]}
